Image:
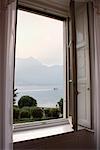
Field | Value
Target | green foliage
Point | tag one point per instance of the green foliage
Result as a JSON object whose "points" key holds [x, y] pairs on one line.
{"points": [[15, 112], [25, 112], [27, 101], [15, 106], [27, 109], [60, 103], [36, 112], [52, 112], [48, 112], [14, 96], [55, 112]]}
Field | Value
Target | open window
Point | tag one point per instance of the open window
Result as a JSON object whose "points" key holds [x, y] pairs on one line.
{"points": [[55, 9], [83, 66], [52, 76], [40, 87], [80, 66], [39, 90]]}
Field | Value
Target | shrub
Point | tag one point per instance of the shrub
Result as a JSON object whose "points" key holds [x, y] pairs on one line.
{"points": [[25, 112], [60, 103], [27, 109], [36, 112], [15, 112], [27, 101], [52, 112], [48, 112], [55, 112], [15, 106]]}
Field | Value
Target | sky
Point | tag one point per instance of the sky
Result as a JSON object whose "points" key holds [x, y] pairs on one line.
{"points": [[39, 37]]}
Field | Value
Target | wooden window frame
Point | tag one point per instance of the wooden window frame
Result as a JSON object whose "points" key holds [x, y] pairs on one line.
{"points": [[65, 119]]}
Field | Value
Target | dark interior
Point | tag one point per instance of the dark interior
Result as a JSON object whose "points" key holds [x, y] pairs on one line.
{"points": [[79, 140]]}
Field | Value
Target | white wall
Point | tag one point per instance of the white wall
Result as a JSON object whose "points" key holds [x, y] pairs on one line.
{"points": [[7, 41], [97, 69]]}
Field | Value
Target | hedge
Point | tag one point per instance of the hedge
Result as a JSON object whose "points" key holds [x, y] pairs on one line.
{"points": [[15, 112], [25, 112], [36, 112]]}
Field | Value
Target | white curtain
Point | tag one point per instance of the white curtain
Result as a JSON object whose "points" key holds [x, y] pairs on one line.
{"points": [[97, 69], [7, 43]]}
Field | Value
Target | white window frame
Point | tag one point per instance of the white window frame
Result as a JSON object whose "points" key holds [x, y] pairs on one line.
{"points": [[60, 121]]}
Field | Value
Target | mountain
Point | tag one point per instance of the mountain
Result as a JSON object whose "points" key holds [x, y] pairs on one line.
{"points": [[31, 71]]}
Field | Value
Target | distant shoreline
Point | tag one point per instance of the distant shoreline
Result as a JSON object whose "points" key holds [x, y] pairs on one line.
{"points": [[45, 95]]}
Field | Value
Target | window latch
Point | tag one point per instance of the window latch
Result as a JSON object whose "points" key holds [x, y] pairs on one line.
{"points": [[70, 43], [70, 81]]}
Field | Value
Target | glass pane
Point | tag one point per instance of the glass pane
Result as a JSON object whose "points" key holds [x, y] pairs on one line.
{"points": [[39, 87]]}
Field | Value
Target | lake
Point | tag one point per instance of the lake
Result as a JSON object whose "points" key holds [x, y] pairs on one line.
{"points": [[46, 95]]}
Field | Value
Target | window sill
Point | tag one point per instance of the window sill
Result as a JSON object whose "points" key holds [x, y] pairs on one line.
{"points": [[42, 131]]}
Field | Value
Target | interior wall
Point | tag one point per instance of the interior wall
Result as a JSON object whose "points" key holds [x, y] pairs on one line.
{"points": [[1, 75], [7, 41], [97, 70], [92, 57]]}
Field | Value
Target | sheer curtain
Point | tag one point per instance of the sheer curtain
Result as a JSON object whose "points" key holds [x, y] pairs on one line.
{"points": [[97, 69], [7, 43]]}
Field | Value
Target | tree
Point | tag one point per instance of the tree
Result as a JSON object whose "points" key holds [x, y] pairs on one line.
{"points": [[27, 101], [60, 103], [14, 96]]}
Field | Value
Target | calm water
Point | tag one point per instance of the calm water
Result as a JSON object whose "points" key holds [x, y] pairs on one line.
{"points": [[46, 95]]}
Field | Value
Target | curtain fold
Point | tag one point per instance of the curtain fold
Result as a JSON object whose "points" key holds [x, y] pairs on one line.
{"points": [[97, 70], [7, 44]]}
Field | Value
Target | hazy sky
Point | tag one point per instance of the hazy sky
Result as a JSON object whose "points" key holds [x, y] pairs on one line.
{"points": [[39, 37]]}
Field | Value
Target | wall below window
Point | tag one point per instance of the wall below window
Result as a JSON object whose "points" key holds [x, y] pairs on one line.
{"points": [[77, 141]]}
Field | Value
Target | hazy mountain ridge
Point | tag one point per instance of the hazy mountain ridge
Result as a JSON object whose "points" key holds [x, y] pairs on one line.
{"points": [[30, 71]]}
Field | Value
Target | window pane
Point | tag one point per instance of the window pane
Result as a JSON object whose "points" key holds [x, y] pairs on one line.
{"points": [[39, 88]]}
